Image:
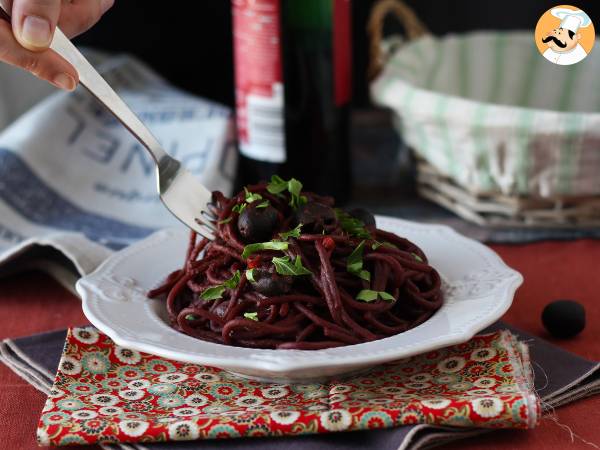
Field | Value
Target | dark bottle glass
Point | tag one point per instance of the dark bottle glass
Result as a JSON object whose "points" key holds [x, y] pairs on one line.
{"points": [[300, 127]]}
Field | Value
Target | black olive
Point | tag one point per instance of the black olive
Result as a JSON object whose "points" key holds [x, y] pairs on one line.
{"points": [[315, 217], [364, 216], [257, 224], [270, 283], [564, 318]]}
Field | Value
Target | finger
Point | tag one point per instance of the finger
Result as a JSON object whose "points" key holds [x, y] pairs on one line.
{"points": [[34, 21], [78, 16], [47, 65]]}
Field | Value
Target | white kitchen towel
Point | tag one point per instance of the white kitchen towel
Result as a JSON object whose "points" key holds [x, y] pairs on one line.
{"points": [[74, 182]]}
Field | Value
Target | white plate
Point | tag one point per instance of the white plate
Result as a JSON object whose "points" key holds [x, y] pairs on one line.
{"points": [[478, 289]]}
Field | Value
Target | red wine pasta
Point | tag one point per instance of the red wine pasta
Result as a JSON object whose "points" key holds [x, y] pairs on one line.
{"points": [[287, 270]]}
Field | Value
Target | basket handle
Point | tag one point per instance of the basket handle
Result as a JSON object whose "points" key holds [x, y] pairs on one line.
{"points": [[413, 28]]}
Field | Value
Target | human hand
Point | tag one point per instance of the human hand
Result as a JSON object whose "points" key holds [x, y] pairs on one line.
{"points": [[24, 43]]}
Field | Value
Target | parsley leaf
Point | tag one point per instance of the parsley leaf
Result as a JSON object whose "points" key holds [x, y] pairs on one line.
{"points": [[239, 208], [284, 266], [295, 187], [263, 204], [252, 196], [351, 225], [292, 233], [386, 296], [272, 245], [191, 317], [251, 316], [354, 263], [277, 185], [367, 295], [417, 257], [224, 221], [250, 275], [215, 292], [233, 282], [377, 244]]}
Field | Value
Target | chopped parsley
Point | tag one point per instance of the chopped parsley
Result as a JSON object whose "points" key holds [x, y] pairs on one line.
{"points": [[377, 244], [278, 185], [216, 292], [367, 295], [417, 257], [284, 266], [351, 225], [354, 263], [292, 233], [272, 245], [250, 275], [239, 207], [251, 316], [252, 196]]}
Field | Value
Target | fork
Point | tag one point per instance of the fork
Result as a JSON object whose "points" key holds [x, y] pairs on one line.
{"points": [[180, 192]]}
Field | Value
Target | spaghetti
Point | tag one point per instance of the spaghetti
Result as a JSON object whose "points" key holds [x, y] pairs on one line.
{"points": [[289, 271]]}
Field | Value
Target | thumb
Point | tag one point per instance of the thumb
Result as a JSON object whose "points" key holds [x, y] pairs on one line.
{"points": [[34, 22]]}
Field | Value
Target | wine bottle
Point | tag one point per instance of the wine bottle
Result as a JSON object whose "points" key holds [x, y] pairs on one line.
{"points": [[293, 90]]}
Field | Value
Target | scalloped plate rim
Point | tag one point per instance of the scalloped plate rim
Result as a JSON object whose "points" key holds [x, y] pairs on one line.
{"points": [[88, 290]]}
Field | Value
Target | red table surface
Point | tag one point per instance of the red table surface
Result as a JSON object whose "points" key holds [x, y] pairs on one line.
{"points": [[34, 303]]}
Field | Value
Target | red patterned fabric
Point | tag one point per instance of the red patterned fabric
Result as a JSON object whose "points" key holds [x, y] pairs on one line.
{"points": [[106, 393]]}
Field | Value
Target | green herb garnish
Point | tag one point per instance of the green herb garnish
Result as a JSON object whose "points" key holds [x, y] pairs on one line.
{"points": [[367, 295], [263, 204], [354, 263], [278, 185], [377, 244], [351, 225], [239, 208], [252, 196], [215, 292], [417, 257], [272, 245], [250, 275], [284, 266], [191, 317], [251, 316], [224, 221], [233, 282], [292, 233]]}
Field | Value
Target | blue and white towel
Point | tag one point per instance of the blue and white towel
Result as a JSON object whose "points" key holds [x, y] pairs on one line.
{"points": [[74, 182]]}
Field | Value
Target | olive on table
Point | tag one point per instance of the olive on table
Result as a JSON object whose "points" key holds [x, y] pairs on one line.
{"points": [[364, 216], [270, 284], [257, 224], [315, 217], [564, 318]]}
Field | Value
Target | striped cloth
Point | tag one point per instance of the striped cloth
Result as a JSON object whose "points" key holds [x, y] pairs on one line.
{"points": [[489, 111], [74, 180]]}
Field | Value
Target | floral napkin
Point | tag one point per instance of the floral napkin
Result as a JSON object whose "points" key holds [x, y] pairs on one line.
{"points": [[104, 393]]}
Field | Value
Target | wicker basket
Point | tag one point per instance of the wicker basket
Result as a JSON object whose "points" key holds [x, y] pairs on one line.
{"points": [[494, 143]]}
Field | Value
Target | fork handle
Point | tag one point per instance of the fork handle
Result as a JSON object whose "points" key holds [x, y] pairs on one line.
{"points": [[99, 88]]}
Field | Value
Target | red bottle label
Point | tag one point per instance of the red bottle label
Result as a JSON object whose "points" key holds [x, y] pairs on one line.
{"points": [[259, 79]]}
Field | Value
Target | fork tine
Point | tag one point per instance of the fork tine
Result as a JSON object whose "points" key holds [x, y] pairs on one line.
{"points": [[208, 225], [211, 217], [203, 230]]}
